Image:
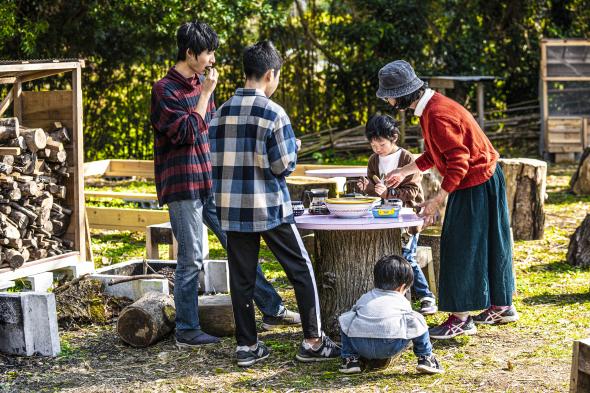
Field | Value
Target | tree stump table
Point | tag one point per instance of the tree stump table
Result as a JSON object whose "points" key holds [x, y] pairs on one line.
{"points": [[345, 252]]}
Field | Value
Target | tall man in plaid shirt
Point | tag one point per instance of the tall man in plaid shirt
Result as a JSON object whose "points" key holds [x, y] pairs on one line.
{"points": [[182, 107], [253, 149]]}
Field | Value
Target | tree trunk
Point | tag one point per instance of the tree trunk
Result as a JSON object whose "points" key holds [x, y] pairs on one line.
{"points": [[578, 252], [526, 181], [147, 320], [216, 315], [431, 185], [344, 262], [580, 182], [298, 184]]}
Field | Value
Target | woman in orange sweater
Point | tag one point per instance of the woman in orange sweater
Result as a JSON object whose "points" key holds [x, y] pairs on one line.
{"points": [[476, 247]]}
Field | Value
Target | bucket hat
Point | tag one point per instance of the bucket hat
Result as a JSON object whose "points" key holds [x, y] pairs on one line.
{"points": [[397, 79]]}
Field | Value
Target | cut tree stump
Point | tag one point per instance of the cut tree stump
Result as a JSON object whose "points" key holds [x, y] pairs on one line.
{"points": [[148, 320], [298, 184], [343, 265], [578, 252], [580, 182], [216, 315], [526, 180], [431, 185]]}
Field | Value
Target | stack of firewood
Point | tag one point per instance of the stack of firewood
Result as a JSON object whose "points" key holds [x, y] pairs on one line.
{"points": [[33, 174]]}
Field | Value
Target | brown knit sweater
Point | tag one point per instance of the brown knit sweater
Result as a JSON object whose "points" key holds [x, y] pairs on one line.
{"points": [[409, 190]]}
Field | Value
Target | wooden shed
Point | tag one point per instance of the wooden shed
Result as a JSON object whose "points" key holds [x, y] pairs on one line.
{"points": [[564, 95], [42, 108]]}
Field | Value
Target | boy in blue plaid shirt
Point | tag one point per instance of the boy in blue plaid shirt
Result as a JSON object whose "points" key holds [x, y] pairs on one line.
{"points": [[253, 149]]}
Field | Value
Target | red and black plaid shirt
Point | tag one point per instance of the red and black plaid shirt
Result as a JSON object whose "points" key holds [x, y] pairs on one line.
{"points": [[182, 159]]}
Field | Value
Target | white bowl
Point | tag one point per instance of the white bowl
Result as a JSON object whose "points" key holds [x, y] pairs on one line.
{"points": [[349, 210]]}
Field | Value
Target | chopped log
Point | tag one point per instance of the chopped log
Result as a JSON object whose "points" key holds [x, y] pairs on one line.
{"points": [[216, 315], [15, 194], [26, 254], [8, 160], [17, 142], [57, 156], [580, 181], [525, 191], [35, 138], [148, 320], [578, 252], [60, 134], [6, 169], [30, 242], [9, 128], [10, 232], [20, 219], [5, 209], [39, 253], [29, 188], [24, 210], [10, 151], [14, 258], [15, 243]]}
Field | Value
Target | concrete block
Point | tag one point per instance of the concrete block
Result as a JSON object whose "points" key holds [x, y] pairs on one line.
{"points": [[132, 289], [28, 324], [6, 285], [40, 282], [78, 269], [216, 278]]}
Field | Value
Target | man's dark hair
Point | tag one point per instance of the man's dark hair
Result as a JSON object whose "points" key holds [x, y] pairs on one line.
{"points": [[260, 58], [391, 272], [381, 126], [196, 36], [404, 102]]}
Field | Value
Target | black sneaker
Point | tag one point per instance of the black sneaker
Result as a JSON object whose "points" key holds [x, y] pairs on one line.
{"points": [[429, 365], [428, 306], [453, 327], [250, 356], [492, 316], [287, 318], [326, 351], [196, 341], [350, 365]]}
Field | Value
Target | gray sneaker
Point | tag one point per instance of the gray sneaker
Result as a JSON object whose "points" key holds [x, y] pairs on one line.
{"points": [[287, 318], [493, 316], [248, 357], [428, 306]]}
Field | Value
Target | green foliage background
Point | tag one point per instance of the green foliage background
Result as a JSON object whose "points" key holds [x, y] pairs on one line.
{"points": [[333, 50]]}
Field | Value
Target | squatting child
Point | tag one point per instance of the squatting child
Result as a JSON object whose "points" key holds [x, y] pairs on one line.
{"points": [[383, 134], [381, 323]]}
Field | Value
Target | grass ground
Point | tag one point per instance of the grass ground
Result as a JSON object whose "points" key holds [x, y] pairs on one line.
{"points": [[532, 355]]}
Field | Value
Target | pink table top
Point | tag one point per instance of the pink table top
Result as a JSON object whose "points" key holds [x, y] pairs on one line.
{"points": [[406, 219], [337, 172]]}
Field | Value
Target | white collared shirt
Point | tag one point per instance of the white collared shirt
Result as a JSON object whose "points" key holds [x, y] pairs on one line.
{"points": [[428, 93]]}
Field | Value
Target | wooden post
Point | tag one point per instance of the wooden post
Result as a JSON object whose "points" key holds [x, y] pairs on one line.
{"points": [[17, 104], [580, 374], [480, 105], [78, 218]]}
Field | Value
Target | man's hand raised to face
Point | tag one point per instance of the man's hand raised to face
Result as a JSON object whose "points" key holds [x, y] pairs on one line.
{"points": [[210, 81]]}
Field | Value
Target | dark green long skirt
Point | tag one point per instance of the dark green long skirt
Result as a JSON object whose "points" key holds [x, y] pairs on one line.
{"points": [[476, 249]]}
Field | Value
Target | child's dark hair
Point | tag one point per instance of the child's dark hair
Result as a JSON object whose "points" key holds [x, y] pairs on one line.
{"points": [[391, 272], [260, 58], [196, 36], [381, 126]]}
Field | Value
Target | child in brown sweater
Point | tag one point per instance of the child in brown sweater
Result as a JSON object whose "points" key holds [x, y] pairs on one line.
{"points": [[383, 134]]}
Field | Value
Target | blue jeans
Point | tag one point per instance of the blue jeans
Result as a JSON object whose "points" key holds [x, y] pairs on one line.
{"points": [[186, 218], [420, 283], [382, 348]]}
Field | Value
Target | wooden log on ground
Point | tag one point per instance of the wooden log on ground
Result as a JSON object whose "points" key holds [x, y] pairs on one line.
{"points": [[526, 181], [578, 252], [580, 181], [298, 184], [148, 320], [216, 315]]}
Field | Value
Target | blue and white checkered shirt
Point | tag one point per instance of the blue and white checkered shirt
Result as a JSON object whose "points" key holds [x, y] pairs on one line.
{"points": [[253, 149]]}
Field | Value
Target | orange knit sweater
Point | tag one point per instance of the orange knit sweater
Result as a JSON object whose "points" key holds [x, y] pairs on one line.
{"points": [[455, 144]]}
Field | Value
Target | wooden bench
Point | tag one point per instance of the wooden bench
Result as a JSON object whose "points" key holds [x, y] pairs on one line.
{"points": [[580, 375], [162, 234]]}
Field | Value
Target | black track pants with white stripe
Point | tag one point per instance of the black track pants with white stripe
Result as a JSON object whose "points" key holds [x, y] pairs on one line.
{"points": [[285, 243]]}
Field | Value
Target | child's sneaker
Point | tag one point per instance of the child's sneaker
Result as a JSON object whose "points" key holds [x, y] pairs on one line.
{"points": [[452, 327], [492, 316], [429, 365], [286, 318], [350, 365], [247, 357], [428, 306], [326, 351]]}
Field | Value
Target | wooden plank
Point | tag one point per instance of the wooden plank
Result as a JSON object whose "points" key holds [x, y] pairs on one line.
{"points": [[567, 78], [564, 149], [17, 103], [8, 80], [301, 168], [586, 132], [41, 266], [120, 195], [560, 42], [96, 168], [437, 83], [40, 74], [569, 121], [53, 105], [580, 371], [6, 102], [78, 218], [141, 168], [125, 219], [9, 151], [35, 67]]}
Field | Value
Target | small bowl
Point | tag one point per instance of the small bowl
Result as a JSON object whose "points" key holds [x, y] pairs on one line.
{"points": [[297, 207], [386, 211]]}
